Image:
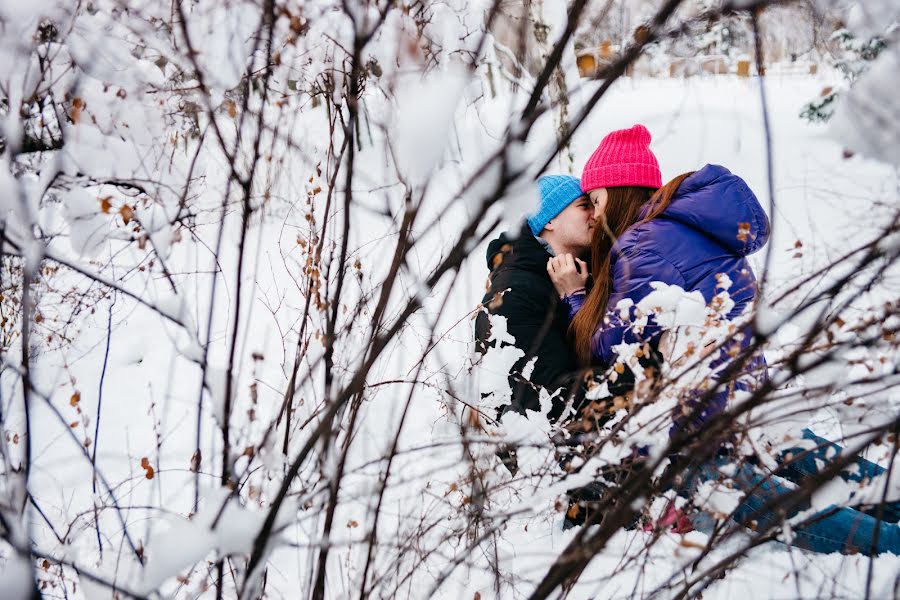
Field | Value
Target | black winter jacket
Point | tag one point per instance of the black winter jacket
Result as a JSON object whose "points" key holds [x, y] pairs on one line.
{"points": [[536, 318]]}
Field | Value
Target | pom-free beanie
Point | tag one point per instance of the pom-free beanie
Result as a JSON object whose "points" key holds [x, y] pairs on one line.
{"points": [[557, 192], [623, 158]]}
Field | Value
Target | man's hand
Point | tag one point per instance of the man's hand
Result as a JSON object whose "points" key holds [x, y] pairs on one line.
{"points": [[565, 275]]}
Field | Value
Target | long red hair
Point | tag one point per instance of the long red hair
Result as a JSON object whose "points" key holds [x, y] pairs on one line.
{"points": [[623, 207]]}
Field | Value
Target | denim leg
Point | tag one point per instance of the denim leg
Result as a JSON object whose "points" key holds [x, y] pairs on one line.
{"points": [[834, 529], [803, 464]]}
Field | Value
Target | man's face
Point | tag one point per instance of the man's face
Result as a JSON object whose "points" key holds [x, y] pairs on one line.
{"points": [[573, 225]]}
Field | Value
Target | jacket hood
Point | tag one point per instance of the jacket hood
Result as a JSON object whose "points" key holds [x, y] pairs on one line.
{"points": [[521, 250], [722, 206]]}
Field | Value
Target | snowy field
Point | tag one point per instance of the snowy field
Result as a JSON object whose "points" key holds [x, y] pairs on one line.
{"points": [[823, 203]]}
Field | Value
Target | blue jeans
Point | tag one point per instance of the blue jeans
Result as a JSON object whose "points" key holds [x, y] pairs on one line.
{"points": [[802, 464], [834, 529]]}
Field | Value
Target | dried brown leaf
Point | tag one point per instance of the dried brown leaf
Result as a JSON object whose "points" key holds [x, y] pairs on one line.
{"points": [[127, 213], [77, 107], [196, 458]]}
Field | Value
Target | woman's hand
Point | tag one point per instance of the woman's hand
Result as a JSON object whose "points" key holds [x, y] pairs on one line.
{"points": [[565, 275]]}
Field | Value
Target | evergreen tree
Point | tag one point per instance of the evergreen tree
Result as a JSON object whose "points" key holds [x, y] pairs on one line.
{"points": [[854, 57]]}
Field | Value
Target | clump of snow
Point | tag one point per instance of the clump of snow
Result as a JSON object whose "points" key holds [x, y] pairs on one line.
{"points": [[673, 307], [8, 200], [221, 525], [223, 40], [717, 497], [870, 16], [99, 48], [88, 227], [867, 118], [425, 109], [155, 222], [16, 581], [494, 367]]}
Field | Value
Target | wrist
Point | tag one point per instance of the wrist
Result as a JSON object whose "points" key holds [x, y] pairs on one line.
{"points": [[574, 292]]}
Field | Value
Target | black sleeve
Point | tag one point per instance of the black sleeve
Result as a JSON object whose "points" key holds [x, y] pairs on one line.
{"points": [[530, 309]]}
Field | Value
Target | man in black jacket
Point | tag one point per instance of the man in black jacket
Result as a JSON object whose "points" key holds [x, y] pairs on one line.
{"points": [[520, 290]]}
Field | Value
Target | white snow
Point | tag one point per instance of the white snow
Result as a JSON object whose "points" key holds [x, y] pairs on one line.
{"points": [[492, 369], [867, 118], [424, 116], [16, 582], [221, 525], [673, 307], [88, 227]]}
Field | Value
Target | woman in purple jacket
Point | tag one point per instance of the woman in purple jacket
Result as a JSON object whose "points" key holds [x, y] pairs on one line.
{"points": [[690, 232]]}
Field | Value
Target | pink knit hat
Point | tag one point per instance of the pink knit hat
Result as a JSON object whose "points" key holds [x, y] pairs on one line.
{"points": [[623, 158]]}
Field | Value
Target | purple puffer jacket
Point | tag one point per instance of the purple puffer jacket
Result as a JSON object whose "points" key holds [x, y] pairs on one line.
{"points": [[713, 222]]}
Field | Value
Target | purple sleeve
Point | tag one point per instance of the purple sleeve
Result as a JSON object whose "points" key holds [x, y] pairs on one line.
{"points": [[574, 303]]}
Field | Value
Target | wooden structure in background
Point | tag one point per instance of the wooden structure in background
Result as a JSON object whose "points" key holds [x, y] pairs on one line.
{"points": [[592, 63], [606, 50], [587, 64]]}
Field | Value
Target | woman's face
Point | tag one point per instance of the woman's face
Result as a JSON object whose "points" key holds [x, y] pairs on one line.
{"points": [[598, 199]]}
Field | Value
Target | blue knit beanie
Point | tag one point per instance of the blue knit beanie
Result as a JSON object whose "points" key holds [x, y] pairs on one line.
{"points": [[557, 192]]}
